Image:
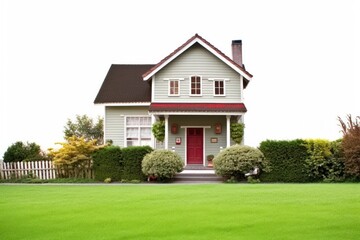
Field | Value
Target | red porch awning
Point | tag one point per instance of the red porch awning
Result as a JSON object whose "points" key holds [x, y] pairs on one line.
{"points": [[197, 107]]}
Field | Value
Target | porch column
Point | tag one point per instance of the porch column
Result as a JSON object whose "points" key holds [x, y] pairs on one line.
{"points": [[228, 131], [153, 140], [166, 131]]}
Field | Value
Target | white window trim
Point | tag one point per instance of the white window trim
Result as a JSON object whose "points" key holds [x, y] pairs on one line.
{"points": [[138, 126], [219, 79], [179, 86], [201, 90]]}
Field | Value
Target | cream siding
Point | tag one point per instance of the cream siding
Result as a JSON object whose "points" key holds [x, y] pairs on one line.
{"points": [[115, 121], [197, 61]]}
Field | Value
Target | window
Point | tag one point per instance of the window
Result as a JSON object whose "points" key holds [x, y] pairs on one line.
{"points": [[174, 87], [195, 85], [219, 87], [138, 131]]}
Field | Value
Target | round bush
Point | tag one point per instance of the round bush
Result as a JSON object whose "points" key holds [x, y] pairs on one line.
{"points": [[162, 164], [237, 160]]}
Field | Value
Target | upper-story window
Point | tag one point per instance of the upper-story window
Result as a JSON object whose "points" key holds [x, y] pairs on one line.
{"points": [[195, 85], [174, 87], [219, 87]]}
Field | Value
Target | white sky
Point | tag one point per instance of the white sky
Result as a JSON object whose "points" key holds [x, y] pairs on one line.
{"points": [[54, 56]]}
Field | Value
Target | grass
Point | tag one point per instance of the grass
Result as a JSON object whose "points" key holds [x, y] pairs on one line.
{"points": [[171, 211]]}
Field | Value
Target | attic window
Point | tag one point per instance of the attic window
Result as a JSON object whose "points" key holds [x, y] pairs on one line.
{"points": [[195, 86]]}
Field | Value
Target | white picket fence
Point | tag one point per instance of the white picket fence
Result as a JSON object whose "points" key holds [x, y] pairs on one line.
{"points": [[39, 169]]}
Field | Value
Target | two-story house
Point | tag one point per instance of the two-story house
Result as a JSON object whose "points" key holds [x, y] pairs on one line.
{"points": [[197, 90]]}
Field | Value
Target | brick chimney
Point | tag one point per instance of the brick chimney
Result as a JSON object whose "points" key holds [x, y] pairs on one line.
{"points": [[236, 48]]}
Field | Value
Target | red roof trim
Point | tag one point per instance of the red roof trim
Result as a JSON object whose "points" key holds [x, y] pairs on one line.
{"points": [[184, 45], [197, 107]]}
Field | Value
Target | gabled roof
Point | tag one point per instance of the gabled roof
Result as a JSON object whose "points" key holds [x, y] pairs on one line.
{"points": [[197, 107], [124, 84], [197, 39]]}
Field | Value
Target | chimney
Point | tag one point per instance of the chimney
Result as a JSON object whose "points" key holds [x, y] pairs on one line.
{"points": [[236, 48]]}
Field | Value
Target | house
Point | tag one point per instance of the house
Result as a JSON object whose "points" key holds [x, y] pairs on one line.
{"points": [[197, 90]]}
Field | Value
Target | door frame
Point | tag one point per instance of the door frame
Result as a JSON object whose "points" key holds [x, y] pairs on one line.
{"points": [[204, 142]]}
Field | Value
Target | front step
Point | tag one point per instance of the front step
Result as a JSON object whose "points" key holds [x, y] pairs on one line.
{"points": [[197, 176]]}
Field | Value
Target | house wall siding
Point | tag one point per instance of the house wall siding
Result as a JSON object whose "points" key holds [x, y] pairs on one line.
{"points": [[198, 121], [197, 61], [115, 120]]}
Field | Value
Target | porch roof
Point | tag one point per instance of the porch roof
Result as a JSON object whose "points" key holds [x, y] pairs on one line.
{"points": [[197, 107]]}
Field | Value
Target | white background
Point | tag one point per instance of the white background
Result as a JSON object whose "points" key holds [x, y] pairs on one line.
{"points": [[54, 56]]}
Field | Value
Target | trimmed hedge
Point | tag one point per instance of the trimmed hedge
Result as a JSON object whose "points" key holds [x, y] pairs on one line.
{"points": [[132, 157], [108, 163], [287, 161]]}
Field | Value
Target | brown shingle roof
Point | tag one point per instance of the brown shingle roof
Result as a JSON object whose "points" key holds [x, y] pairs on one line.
{"points": [[124, 84]]}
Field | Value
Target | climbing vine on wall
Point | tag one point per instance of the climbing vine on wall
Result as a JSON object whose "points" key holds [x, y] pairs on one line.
{"points": [[158, 130], [237, 132]]}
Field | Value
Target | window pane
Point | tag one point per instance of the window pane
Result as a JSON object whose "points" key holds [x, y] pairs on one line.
{"points": [[132, 143], [145, 132], [195, 85], [132, 133], [145, 143], [145, 121], [132, 121], [219, 87], [174, 87]]}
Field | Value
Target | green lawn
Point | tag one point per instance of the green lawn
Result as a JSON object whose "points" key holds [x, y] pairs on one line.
{"points": [[172, 211]]}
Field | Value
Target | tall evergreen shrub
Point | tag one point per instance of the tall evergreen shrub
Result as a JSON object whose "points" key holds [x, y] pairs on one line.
{"points": [[133, 157], [108, 163], [287, 160]]}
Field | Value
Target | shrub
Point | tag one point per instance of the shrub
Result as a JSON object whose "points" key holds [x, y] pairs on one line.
{"points": [[287, 160], [73, 158], [158, 130], [351, 145], [20, 151], [324, 161], [107, 180], [237, 160], [132, 157], [108, 163], [237, 132], [162, 164]]}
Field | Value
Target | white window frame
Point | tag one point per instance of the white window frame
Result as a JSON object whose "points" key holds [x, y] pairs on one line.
{"points": [[179, 84], [138, 126], [224, 80], [195, 95], [169, 91]]}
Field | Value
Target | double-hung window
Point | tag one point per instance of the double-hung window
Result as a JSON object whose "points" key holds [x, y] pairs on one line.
{"points": [[174, 87], [138, 131], [219, 87], [195, 85]]}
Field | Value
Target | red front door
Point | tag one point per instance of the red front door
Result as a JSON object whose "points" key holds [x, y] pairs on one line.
{"points": [[195, 146]]}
